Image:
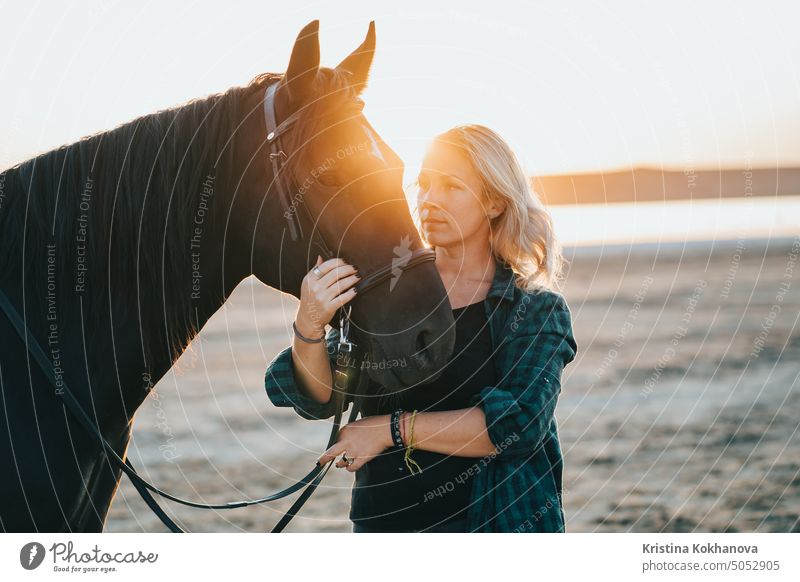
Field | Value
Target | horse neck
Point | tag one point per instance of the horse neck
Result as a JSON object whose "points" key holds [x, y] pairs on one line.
{"points": [[212, 280]]}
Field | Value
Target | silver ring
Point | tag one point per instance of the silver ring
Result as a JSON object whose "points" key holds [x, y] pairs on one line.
{"points": [[347, 461], [317, 272]]}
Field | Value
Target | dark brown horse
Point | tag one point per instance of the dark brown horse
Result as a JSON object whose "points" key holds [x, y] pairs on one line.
{"points": [[118, 248]]}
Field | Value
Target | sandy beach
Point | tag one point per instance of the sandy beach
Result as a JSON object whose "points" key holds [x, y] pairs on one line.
{"points": [[679, 414]]}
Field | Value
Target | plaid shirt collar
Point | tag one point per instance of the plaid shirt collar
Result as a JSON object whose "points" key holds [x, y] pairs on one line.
{"points": [[503, 283]]}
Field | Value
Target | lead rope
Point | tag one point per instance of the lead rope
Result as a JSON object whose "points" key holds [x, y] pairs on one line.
{"points": [[340, 381], [363, 380], [144, 487]]}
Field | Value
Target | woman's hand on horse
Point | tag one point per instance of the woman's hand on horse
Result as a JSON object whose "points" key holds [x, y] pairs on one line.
{"points": [[321, 296], [361, 440]]}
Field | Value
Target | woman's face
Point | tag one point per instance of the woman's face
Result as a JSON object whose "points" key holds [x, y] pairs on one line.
{"points": [[450, 200]]}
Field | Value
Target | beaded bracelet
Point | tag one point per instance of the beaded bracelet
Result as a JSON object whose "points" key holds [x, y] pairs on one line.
{"points": [[403, 430], [397, 438]]}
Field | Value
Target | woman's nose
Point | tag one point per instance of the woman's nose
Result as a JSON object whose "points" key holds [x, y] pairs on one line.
{"points": [[427, 204]]}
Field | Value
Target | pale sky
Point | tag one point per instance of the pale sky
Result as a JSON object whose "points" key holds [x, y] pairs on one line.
{"points": [[572, 86]]}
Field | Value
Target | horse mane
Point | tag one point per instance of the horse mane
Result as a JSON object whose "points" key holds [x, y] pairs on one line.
{"points": [[116, 210]]}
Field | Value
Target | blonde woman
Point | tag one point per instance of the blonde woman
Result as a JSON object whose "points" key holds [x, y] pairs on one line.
{"points": [[480, 449]]}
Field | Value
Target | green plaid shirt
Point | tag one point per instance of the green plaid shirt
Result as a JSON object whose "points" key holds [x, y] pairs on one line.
{"points": [[518, 488]]}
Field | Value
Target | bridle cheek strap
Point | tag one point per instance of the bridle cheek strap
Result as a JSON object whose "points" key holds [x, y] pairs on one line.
{"points": [[277, 156]]}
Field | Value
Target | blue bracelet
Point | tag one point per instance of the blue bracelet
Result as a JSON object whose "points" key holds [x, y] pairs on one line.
{"points": [[397, 438]]}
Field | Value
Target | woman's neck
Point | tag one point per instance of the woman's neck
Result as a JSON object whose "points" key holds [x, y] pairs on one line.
{"points": [[467, 271]]}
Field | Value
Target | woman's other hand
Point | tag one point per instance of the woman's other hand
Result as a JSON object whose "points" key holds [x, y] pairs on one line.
{"points": [[361, 440]]}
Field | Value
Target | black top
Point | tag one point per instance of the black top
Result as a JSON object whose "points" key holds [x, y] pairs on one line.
{"points": [[385, 494]]}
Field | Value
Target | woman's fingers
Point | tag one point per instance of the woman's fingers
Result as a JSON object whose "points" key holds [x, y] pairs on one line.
{"points": [[340, 463], [322, 296], [324, 268], [358, 462], [343, 285], [341, 448], [343, 298], [333, 274], [339, 292], [336, 274], [334, 451]]}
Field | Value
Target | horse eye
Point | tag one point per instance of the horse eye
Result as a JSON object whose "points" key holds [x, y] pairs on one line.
{"points": [[329, 180]]}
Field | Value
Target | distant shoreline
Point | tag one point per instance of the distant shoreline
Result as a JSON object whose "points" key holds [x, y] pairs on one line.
{"points": [[675, 221], [675, 247], [648, 184]]}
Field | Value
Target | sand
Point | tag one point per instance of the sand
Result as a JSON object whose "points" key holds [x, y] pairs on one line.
{"points": [[679, 414]]}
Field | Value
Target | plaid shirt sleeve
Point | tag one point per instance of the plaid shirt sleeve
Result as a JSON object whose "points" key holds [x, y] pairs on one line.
{"points": [[282, 388], [535, 349]]}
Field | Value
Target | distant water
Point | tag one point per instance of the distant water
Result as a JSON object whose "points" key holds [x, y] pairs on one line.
{"points": [[680, 220]]}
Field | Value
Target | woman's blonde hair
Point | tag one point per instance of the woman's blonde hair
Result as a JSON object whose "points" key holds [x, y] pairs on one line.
{"points": [[522, 234]]}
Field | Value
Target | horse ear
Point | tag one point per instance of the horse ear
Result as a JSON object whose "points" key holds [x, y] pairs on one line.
{"points": [[359, 61], [303, 64]]}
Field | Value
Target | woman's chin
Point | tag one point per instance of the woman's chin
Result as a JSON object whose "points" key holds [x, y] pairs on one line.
{"points": [[437, 239]]}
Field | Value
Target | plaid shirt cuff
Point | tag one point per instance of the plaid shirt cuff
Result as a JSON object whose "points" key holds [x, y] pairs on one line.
{"points": [[282, 389]]}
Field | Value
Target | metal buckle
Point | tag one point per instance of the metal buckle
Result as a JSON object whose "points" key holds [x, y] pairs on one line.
{"points": [[345, 345]]}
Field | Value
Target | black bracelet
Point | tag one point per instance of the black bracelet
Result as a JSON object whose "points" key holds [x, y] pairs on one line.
{"points": [[395, 428], [308, 340]]}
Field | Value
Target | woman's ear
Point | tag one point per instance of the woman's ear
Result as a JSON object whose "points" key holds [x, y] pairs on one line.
{"points": [[495, 209]]}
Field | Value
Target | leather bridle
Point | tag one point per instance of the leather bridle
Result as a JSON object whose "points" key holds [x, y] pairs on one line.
{"points": [[282, 185], [343, 361]]}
